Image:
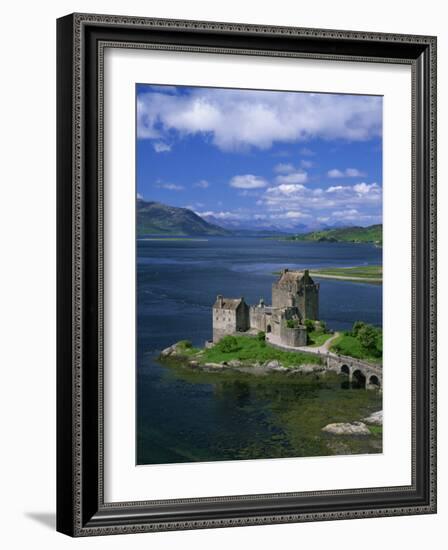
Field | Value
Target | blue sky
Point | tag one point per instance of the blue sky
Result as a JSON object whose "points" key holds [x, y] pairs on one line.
{"points": [[261, 158]]}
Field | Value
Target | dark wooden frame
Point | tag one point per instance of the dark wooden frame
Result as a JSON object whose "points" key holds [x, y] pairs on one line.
{"points": [[81, 510]]}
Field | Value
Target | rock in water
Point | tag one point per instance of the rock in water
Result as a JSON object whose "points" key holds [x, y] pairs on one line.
{"points": [[171, 350], [345, 428], [375, 418]]}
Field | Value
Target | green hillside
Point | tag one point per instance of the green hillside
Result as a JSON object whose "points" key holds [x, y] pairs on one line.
{"points": [[371, 234], [154, 218]]}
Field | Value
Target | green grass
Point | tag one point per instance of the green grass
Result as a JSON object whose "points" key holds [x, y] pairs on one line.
{"points": [[249, 351], [376, 430], [370, 273], [346, 344], [371, 234], [364, 272], [187, 350], [318, 338]]}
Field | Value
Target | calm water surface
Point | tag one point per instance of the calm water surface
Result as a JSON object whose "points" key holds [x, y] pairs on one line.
{"points": [[184, 416]]}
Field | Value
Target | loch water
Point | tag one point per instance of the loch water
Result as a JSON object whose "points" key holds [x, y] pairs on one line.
{"points": [[185, 416]]}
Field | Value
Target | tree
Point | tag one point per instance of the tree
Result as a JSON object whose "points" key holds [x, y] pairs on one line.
{"points": [[357, 326], [367, 335], [379, 343]]}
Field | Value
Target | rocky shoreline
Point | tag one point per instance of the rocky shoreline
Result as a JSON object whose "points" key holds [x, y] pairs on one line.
{"points": [[179, 353], [175, 352]]}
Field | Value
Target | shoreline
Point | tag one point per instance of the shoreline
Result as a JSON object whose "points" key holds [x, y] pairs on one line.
{"points": [[346, 278], [176, 353]]}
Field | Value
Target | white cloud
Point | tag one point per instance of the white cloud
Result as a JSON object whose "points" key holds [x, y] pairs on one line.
{"points": [[293, 177], [354, 173], [294, 215], [222, 215], [359, 203], [335, 173], [348, 214], [285, 190], [248, 181], [161, 147], [240, 119], [306, 163], [194, 206], [284, 168], [364, 188], [347, 173], [139, 196], [170, 186], [202, 184], [307, 152]]}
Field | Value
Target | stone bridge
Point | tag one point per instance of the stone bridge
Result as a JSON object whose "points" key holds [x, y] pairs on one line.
{"points": [[365, 374], [361, 373]]}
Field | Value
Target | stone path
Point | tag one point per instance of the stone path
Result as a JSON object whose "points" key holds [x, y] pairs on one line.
{"points": [[323, 349]]}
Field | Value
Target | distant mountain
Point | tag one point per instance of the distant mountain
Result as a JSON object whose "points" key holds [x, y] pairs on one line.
{"points": [[157, 218], [355, 234], [254, 227]]}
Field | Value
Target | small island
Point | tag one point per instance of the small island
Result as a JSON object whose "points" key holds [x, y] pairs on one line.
{"points": [[285, 337]]}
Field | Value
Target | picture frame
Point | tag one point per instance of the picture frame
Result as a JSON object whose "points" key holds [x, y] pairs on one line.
{"points": [[81, 506]]}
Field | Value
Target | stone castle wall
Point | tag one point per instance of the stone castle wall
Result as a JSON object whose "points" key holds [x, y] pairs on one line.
{"points": [[293, 298], [281, 297], [224, 322], [258, 318], [308, 302], [294, 337], [242, 318], [229, 321]]}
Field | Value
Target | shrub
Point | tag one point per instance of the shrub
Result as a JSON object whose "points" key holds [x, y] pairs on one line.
{"points": [[228, 344], [309, 325], [290, 323], [185, 344], [261, 336]]}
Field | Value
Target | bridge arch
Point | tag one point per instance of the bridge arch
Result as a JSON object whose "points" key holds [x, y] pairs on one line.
{"points": [[374, 381], [345, 369], [358, 379]]}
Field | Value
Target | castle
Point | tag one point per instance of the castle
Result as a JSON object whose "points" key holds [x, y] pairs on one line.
{"points": [[295, 297]]}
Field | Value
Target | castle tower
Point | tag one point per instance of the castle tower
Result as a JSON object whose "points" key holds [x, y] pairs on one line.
{"points": [[230, 315], [297, 289]]}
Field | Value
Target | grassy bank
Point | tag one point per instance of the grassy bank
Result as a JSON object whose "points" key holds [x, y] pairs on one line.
{"points": [[367, 273], [247, 350], [346, 344], [318, 338], [372, 234]]}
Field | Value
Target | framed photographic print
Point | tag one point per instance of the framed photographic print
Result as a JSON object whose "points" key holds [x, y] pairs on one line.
{"points": [[246, 274]]}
